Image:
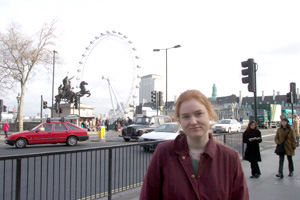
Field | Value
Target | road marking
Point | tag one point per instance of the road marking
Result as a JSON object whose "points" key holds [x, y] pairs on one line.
{"points": [[115, 191], [268, 135]]}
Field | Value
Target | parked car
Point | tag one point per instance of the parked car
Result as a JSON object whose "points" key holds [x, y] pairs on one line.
{"points": [[167, 131], [49, 132], [227, 125], [143, 125]]}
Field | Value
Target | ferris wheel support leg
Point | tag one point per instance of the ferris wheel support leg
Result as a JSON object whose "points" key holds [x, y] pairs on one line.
{"points": [[112, 102]]}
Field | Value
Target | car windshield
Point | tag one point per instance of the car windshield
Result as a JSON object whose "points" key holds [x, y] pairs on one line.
{"points": [[142, 120], [36, 126], [224, 122], [170, 128]]}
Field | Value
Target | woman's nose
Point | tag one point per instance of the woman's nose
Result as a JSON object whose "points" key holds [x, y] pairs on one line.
{"points": [[193, 120]]}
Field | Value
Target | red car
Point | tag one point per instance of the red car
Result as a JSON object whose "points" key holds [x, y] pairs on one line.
{"points": [[49, 132]]}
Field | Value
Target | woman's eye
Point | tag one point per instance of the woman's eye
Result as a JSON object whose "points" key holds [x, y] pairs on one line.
{"points": [[185, 117], [198, 114]]}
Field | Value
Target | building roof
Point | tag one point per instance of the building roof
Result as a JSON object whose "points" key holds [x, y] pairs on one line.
{"points": [[267, 99], [226, 100]]}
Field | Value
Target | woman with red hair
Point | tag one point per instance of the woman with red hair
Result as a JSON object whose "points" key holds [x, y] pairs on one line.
{"points": [[194, 165]]}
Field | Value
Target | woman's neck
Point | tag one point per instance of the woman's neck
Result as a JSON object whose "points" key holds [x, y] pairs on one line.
{"points": [[199, 144]]}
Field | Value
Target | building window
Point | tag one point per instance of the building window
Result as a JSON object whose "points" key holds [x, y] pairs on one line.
{"points": [[268, 102]]}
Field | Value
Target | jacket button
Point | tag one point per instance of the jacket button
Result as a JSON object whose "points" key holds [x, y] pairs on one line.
{"points": [[193, 176], [183, 157]]}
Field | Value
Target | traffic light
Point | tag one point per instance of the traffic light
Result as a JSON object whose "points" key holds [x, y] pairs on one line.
{"points": [[45, 104], [289, 97], [76, 102], [60, 110], [4, 108], [55, 107], [293, 90], [154, 97], [160, 98], [249, 74]]}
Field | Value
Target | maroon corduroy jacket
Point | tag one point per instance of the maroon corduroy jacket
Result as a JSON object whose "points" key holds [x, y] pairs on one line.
{"points": [[170, 173]]}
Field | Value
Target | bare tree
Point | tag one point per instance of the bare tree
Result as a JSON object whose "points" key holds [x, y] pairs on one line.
{"points": [[21, 56]]}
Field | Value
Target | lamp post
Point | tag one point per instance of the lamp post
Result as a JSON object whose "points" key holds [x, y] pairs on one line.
{"points": [[52, 111], [166, 49]]}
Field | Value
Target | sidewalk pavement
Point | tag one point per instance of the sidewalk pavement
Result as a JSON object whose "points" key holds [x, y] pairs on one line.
{"points": [[267, 187]]}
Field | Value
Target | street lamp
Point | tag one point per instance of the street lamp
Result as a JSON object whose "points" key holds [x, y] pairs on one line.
{"points": [[52, 111], [166, 49]]}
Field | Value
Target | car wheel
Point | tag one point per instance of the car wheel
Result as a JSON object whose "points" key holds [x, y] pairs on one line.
{"points": [[238, 130], [126, 139], [229, 130], [21, 143], [71, 141]]}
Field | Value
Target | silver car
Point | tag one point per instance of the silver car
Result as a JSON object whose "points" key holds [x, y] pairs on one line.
{"points": [[227, 125]]}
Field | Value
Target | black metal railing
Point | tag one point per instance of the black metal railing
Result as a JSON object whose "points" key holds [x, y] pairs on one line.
{"points": [[81, 174], [233, 140]]}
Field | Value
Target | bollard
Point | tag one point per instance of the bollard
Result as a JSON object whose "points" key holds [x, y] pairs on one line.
{"points": [[102, 133]]}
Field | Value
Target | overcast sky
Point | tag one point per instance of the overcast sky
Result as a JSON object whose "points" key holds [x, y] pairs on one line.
{"points": [[215, 36]]}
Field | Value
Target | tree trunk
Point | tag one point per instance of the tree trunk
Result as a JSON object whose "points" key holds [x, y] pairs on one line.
{"points": [[21, 108]]}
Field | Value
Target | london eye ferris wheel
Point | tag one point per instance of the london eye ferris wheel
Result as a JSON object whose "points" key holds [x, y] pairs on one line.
{"points": [[109, 64]]}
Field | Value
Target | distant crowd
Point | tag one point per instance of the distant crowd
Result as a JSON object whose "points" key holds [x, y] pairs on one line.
{"points": [[118, 124]]}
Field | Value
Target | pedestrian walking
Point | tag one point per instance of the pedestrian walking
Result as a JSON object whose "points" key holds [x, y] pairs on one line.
{"points": [[252, 137], [286, 134], [116, 125], [5, 128], [296, 128], [194, 165], [107, 124]]}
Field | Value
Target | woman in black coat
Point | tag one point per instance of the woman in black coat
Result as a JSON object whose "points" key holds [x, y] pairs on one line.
{"points": [[252, 137]]}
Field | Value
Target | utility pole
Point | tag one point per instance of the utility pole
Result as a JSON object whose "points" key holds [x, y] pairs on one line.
{"points": [[42, 104]]}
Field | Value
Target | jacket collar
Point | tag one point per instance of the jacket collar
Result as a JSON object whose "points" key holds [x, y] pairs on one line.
{"points": [[180, 146]]}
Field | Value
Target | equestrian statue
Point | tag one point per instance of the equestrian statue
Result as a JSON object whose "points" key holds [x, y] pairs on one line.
{"points": [[66, 93]]}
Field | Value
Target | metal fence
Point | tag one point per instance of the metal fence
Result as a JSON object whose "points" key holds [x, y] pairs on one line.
{"points": [[80, 174]]}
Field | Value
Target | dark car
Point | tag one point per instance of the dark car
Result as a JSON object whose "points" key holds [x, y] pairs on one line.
{"points": [[49, 132], [143, 125]]}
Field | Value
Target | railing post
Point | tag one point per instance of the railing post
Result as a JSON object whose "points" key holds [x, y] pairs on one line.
{"points": [[18, 179], [109, 173], [224, 138], [243, 152]]}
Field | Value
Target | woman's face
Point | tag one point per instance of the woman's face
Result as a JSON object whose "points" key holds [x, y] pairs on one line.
{"points": [[284, 123], [194, 119], [252, 126]]}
